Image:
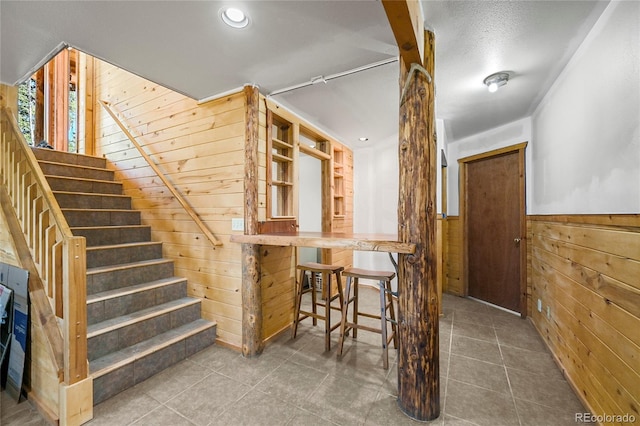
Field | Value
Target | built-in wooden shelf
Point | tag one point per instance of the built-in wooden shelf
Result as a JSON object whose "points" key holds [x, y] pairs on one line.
{"points": [[280, 165], [280, 144], [338, 182], [281, 158]]}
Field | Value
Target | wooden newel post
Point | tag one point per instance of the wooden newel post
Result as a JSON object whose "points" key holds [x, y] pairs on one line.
{"points": [[418, 358], [252, 344]]}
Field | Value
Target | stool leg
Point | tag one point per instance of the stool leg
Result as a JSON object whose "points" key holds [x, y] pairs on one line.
{"points": [[392, 315], [296, 312], [326, 291], [314, 306], [383, 319], [339, 286], [343, 320], [356, 311]]}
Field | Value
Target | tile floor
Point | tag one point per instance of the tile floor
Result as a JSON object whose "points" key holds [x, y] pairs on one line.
{"points": [[495, 370]]}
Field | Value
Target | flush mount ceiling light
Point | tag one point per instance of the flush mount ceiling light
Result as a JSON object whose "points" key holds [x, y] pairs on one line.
{"points": [[494, 81], [234, 17]]}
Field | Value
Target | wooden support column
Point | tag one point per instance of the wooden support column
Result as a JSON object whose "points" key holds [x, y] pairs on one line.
{"points": [[86, 119], [252, 343], [38, 134], [418, 358], [60, 113], [407, 25]]}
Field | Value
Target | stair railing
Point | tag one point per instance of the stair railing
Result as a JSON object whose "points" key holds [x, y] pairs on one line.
{"points": [[190, 211], [59, 257]]}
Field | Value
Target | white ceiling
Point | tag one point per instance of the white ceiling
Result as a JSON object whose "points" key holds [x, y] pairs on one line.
{"points": [[185, 46]]}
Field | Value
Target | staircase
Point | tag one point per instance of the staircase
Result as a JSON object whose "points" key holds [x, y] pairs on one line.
{"points": [[140, 320]]}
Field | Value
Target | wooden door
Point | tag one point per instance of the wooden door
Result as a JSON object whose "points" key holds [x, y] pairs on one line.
{"points": [[494, 223]]}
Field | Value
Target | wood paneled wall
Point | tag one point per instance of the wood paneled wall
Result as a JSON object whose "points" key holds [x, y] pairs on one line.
{"points": [[277, 280], [200, 147], [452, 280], [585, 270]]}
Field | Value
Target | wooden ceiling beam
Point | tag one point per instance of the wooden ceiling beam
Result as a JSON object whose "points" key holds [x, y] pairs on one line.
{"points": [[407, 24]]}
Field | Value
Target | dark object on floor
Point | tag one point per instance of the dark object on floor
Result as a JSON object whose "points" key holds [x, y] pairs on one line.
{"points": [[44, 144]]}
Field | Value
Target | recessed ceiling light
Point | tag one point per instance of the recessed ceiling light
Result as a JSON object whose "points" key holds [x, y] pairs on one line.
{"points": [[363, 139], [234, 17]]}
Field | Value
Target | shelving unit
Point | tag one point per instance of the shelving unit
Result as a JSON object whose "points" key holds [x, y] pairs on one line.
{"points": [[338, 182], [280, 170]]}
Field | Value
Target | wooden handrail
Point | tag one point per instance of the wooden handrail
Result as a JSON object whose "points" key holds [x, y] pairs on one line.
{"points": [[190, 211], [39, 177], [59, 256]]}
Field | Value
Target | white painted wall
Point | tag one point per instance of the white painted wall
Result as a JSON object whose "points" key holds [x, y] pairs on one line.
{"points": [[586, 129], [510, 134], [376, 190], [309, 203], [375, 198], [583, 155]]}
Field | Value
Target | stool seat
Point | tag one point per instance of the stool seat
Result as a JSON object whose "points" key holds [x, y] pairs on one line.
{"points": [[304, 285], [320, 267], [387, 312], [368, 274]]}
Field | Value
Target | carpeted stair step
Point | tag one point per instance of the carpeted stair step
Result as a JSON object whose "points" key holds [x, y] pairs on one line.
{"points": [[108, 235], [53, 156], [123, 369], [119, 276], [72, 170], [118, 333], [122, 253], [124, 301], [101, 217], [71, 184], [82, 200]]}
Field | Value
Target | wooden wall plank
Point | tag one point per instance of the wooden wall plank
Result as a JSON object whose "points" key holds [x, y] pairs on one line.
{"points": [[278, 280], [454, 256], [200, 148], [585, 270]]}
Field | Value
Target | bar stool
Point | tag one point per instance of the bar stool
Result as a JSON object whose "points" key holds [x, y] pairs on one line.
{"points": [[387, 312], [328, 296]]}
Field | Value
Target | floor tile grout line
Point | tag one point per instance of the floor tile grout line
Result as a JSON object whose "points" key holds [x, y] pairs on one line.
{"points": [[506, 373], [167, 407], [446, 384]]}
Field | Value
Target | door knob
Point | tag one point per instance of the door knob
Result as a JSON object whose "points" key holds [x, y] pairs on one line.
{"points": [[516, 240]]}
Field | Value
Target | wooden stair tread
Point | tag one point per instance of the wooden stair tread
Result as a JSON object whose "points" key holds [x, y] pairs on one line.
{"points": [[112, 294], [77, 166], [90, 194], [114, 360], [123, 245], [74, 209], [71, 178], [123, 266], [108, 226], [124, 320]]}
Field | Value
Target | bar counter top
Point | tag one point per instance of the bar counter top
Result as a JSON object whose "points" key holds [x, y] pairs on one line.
{"points": [[364, 242]]}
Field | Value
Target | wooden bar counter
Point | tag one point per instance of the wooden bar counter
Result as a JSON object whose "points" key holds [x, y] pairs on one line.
{"points": [[364, 242], [252, 316]]}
